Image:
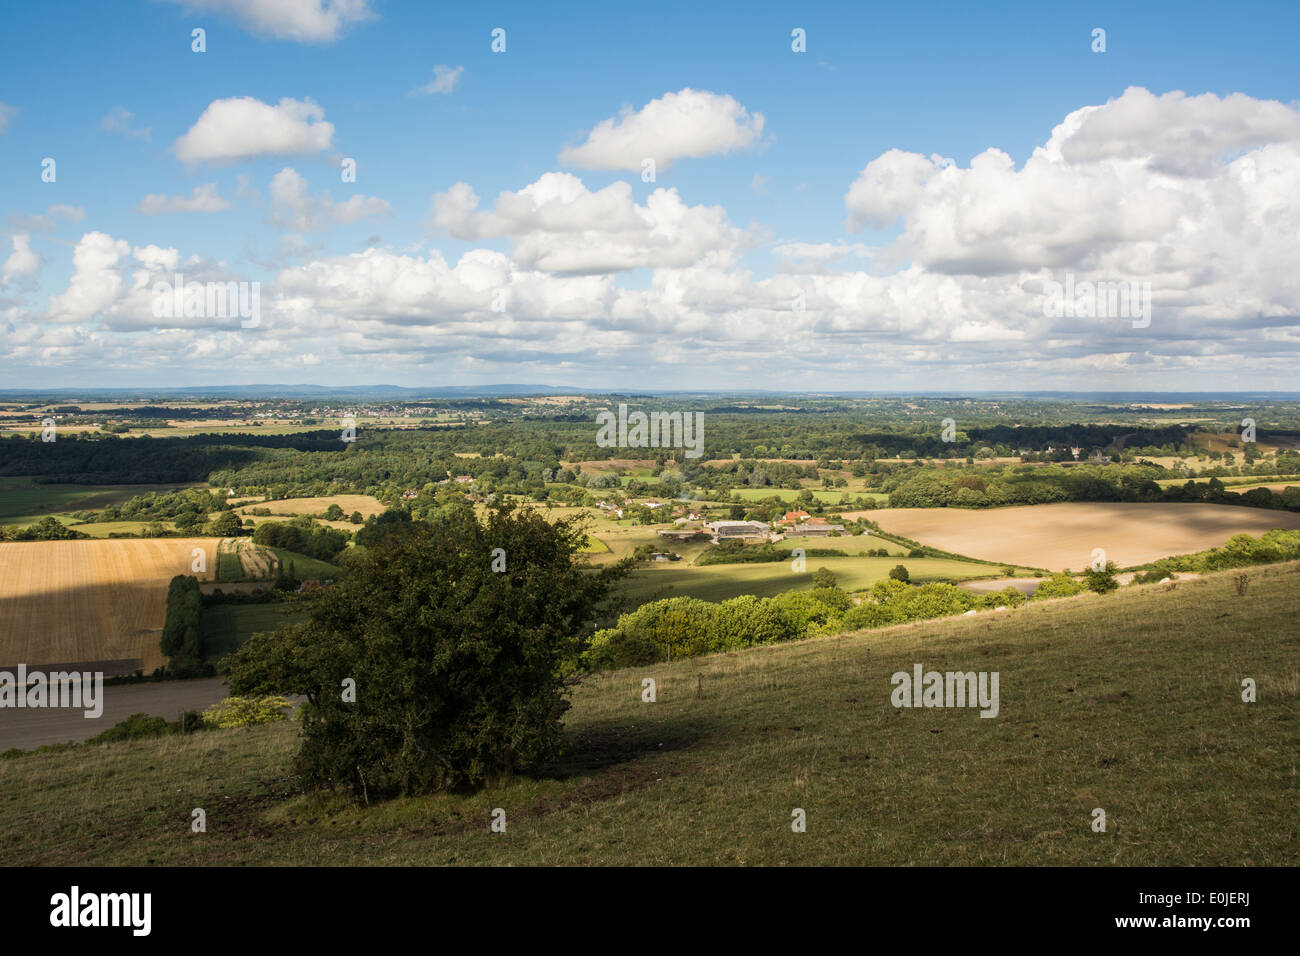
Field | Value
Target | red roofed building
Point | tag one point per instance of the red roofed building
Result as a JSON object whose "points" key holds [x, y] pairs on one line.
{"points": [[795, 516]]}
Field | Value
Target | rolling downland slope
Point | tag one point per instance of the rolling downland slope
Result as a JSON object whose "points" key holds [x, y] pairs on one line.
{"points": [[1130, 702]]}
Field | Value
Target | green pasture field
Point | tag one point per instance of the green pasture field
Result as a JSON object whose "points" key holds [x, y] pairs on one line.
{"points": [[718, 582], [303, 566], [226, 626], [24, 502]]}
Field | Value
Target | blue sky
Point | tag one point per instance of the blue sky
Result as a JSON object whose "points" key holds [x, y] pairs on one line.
{"points": [[938, 277]]}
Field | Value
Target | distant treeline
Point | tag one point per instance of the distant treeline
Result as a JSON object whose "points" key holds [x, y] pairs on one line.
{"points": [[113, 461], [151, 412], [1007, 440], [1039, 437], [527, 457], [1029, 485], [110, 459]]}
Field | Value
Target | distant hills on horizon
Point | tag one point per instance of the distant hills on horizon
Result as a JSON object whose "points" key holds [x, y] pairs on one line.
{"points": [[414, 394]]}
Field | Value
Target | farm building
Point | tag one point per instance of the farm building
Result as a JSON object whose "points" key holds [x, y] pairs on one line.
{"points": [[723, 530], [811, 530]]}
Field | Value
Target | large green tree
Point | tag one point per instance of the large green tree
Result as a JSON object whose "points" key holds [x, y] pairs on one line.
{"points": [[458, 634]]}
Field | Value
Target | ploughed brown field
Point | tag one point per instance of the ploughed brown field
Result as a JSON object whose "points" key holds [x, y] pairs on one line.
{"points": [[65, 602], [1063, 535]]}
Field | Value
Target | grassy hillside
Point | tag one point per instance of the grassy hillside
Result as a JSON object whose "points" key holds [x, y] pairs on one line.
{"points": [[1129, 702]]}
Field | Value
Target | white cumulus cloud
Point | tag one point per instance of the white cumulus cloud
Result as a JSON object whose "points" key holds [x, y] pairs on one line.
{"points": [[686, 124], [292, 207], [243, 127], [96, 280], [304, 21], [22, 263], [1184, 192], [558, 225], [955, 299]]}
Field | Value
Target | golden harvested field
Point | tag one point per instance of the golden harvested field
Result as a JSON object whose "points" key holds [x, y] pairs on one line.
{"points": [[72, 601], [1063, 535], [314, 506]]}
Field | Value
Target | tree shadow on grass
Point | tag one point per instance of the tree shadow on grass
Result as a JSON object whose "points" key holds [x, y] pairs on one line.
{"points": [[601, 745]]}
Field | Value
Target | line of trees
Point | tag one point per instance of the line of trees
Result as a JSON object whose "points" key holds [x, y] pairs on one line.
{"points": [[302, 536], [1239, 551], [47, 529], [182, 635]]}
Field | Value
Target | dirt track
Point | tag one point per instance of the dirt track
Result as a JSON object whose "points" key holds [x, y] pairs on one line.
{"points": [[28, 729]]}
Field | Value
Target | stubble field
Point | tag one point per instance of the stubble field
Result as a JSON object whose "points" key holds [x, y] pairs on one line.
{"points": [[1064, 535], [81, 601]]}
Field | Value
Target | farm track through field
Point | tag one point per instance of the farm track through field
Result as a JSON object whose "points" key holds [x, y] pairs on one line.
{"points": [[255, 563]]}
